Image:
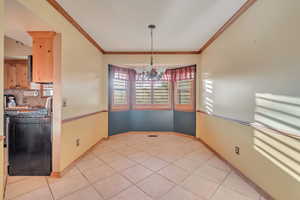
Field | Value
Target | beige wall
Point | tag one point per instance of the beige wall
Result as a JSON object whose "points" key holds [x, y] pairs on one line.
{"points": [[180, 59], [258, 54], [81, 63], [81, 82], [251, 72], [88, 130], [15, 50], [254, 162]]}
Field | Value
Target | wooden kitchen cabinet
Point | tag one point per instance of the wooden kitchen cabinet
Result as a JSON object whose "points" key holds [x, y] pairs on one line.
{"points": [[16, 74], [42, 55], [10, 76], [22, 76]]}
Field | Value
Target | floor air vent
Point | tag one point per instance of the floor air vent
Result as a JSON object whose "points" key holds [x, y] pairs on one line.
{"points": [[152, 135]]}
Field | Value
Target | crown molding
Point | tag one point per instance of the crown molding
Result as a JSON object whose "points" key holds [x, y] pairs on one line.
{"points": [[241, 11], [68, 17], [148, 52]]}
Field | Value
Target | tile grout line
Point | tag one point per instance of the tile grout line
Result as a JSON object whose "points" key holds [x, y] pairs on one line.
{"points": [[127, 144], [25, 192], [90, 184], [50, 188], [172, 162], [169, 164], [136, 184], [74, 190], [156, 172], [116, 172], [236, 191], [219, 186]]}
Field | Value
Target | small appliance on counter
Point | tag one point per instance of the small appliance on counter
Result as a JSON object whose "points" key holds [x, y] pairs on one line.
{"points": [[9, 101]]}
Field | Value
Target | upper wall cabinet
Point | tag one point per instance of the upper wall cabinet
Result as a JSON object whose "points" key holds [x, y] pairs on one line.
{"points": [[42, 55], [16, 74]]}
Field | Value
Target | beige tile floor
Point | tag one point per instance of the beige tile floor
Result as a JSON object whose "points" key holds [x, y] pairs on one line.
{"points": [[137, 167]]}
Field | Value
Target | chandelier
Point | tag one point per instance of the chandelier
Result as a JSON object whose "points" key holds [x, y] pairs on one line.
{"points": [[151, 72]]}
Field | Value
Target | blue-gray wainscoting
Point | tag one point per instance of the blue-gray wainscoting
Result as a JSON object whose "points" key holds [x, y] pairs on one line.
{"points": [[185, 122], [118, 122], [152, 120]]}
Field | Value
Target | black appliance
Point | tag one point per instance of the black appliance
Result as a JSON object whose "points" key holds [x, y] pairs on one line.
{"points": [[29, 146], [6, 129]]}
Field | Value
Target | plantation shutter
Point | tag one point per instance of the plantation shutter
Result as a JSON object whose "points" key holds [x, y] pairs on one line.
{"points": [[143, 92], [120, 95], [151, 94], [161, 92], [119, 88], [184, 91]]}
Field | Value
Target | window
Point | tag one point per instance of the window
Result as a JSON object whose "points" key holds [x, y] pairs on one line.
{"points": [[152, 94], [184, 85], [184, 95], [129, 90], [120, 90]]}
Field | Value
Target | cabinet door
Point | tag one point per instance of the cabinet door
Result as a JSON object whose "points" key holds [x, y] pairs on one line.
{"points": [[6, 82], [42, 60], [22, 76], [10, 76]]}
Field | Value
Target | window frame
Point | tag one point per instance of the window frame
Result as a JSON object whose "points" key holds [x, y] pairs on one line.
{"points": [[185, 107], [152, 106], [119, 107], [131, 77]]}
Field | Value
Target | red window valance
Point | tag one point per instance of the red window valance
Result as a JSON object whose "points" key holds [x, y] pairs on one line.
{"points": [[183, 73], [121, 73]]}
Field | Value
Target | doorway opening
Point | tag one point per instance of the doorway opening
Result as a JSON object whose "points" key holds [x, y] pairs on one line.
{"points": [[32, 96]]}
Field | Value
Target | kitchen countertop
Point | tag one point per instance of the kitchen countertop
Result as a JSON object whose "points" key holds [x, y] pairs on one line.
{"points": [[27, 112], [24, 108]]}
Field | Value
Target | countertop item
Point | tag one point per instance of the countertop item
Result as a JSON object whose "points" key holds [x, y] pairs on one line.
{"points": [[11, 102]]}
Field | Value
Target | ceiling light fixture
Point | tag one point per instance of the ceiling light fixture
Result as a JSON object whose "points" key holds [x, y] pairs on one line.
{"points": [[151, 72]]}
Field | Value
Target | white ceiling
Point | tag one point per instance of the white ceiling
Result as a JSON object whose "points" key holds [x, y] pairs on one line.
{"points": [[19, 20], [121, 25]]}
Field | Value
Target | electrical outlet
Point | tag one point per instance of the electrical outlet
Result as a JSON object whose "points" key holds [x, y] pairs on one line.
{"points": [[64, 103], [237, 150], [77, 142]]}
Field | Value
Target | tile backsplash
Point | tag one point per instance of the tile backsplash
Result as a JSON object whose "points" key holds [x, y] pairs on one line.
{"points": [[22, 99]]}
